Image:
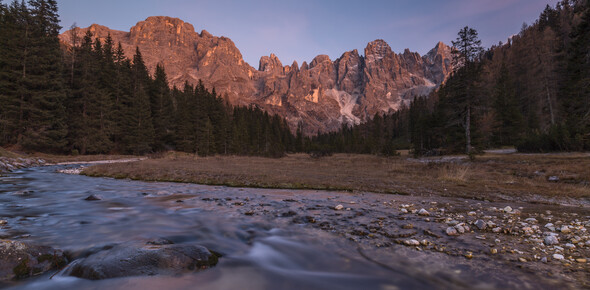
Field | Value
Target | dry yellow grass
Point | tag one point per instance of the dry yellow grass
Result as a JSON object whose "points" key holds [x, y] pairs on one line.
{"points": [[487, 177], [452, 172]]}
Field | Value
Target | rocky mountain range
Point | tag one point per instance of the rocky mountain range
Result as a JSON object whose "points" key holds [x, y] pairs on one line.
{"points": [[322, 95]]}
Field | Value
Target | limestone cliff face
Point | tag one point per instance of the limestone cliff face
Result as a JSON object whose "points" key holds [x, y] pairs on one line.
{"points": [[322, 94]]}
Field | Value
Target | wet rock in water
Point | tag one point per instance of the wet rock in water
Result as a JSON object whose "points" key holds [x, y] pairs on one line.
{"points": [[288, 214], [423, 212], [451, 231], [93, 197], [143, 260], [21, 260], [339, 207], [551, 240], [480, 224]]}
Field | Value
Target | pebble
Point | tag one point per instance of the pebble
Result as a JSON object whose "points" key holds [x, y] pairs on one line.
{"points": [[531, 220], [544, 260], [339, 207], [497, 230], [550, 227], [581, 260], [494, 251], [523, 260], [570, 246], [558, 257], [452, 223], [403, 210], [565, 229], [528, 231], [551, 240], [423, 212], [3, 222], [480, 224], [460, 229], [471, 213], [451, 231], [507, 209], [412, 242]]}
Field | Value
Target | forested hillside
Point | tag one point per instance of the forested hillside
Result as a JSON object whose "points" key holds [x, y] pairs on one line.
{"points": [[532, 92], [88, 98]]}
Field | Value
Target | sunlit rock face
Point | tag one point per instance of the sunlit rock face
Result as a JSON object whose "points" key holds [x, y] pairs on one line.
{"points": [[322, 95]]}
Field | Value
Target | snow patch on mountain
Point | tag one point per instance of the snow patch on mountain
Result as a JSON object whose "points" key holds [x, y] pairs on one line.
{"points": [[346, 102]]}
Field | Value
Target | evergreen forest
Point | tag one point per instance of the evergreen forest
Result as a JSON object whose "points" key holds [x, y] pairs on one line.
{"points": [[90, 99], [532, 92]]}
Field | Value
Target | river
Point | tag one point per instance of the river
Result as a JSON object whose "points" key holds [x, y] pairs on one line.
{"points": [[266, 237]]}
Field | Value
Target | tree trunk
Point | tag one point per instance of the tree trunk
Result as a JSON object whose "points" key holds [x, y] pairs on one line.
{"points": [[468, 130]]}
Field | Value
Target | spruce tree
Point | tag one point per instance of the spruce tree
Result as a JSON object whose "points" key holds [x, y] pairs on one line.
{"points": [[161, 109], [44, 93], [466, 53]]}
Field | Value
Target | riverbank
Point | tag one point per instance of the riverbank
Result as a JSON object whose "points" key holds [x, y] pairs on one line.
{"points": [[527, 213], [10, 161], [550, 178]]}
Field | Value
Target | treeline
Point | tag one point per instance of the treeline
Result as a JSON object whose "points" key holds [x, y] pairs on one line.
{"points": [[89, 98], [532, 92]]}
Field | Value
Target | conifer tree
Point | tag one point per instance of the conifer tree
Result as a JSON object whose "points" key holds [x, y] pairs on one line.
{"points": [[138, 123], [465, 57], [45, 127], [162, 110]]}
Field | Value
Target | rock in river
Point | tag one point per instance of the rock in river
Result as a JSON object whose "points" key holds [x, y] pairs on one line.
{"points": [[144, 260], [20, 260]]}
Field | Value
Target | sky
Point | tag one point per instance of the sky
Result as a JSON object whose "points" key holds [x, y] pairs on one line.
{"points": [[299, 30]]}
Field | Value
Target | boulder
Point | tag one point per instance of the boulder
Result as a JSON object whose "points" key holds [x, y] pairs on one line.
{"points": [[21, 260], [152, 258]]}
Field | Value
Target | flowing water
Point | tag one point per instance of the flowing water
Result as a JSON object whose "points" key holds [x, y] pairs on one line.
{"points": [[261, 249]]}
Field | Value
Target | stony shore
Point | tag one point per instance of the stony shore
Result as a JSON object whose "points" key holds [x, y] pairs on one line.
{"points": [[8, 164]]}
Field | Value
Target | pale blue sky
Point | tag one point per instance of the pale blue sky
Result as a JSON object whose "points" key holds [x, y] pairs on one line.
{"points": [[300, 30]]}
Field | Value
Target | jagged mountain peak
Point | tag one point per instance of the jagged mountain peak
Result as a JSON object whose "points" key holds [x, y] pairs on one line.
{"points": [[322, 94]]}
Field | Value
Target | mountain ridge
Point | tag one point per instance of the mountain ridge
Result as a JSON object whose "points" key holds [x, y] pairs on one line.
{"points": [[321, 95]]}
